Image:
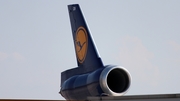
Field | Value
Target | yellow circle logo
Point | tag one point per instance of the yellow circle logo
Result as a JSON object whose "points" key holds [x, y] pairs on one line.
{"points": [[81, 44]]}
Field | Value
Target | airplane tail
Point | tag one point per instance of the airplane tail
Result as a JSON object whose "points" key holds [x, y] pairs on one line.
{"points": [[91, 77], [86, 53]]}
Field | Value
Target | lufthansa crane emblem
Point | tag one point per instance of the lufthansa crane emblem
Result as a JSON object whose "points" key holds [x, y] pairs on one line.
{"points": [[81, 44]]}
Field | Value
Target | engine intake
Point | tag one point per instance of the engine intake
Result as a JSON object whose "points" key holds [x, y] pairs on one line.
{"points": [[115, 80]]}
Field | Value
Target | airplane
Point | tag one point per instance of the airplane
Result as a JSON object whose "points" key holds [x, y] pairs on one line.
{"points": [[91, 78]]}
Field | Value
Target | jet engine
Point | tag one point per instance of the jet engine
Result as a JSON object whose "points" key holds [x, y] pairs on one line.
{"points": [[109, 80]]}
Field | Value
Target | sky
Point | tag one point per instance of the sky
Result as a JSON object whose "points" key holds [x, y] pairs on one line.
{"points": [[36, 44]]}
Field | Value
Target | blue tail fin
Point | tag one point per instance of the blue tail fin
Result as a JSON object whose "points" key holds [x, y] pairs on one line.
{"points": [[86, 53]]}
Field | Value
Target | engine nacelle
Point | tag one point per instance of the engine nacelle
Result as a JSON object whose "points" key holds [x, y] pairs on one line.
{"points": [[115, 80], [109, 80]]}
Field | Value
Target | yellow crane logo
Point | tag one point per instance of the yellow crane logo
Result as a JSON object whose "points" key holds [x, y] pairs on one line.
{"points": [[81, 44]]}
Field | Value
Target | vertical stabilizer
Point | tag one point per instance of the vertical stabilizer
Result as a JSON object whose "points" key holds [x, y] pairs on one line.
{"points": [[86, 53]]}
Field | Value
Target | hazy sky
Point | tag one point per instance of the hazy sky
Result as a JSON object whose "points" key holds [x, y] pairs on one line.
{"points": [[36, 44]]}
